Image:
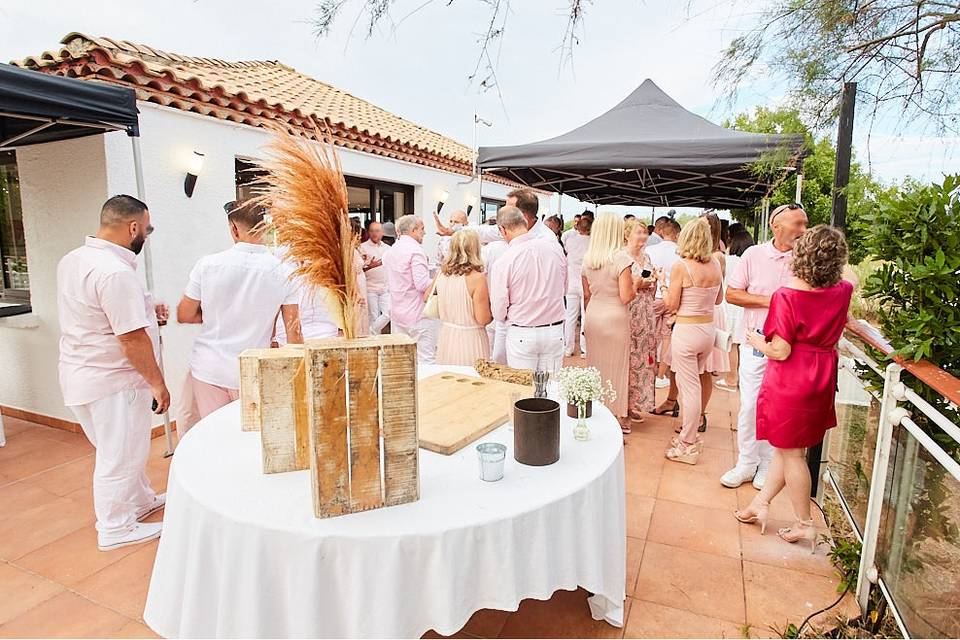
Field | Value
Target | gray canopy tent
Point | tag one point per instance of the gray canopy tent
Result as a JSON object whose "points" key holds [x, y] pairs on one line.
{"points": [[36, 108], [648, 150]]}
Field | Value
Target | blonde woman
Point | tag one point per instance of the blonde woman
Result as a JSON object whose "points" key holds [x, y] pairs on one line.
{"points": [[608, 289], [694, 290], [464, 303]]}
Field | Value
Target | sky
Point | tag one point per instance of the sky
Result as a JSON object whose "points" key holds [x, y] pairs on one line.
{"points": [[418, 62]]}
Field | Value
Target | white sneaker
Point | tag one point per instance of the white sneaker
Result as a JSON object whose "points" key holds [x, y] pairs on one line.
{"points": [[760, 477], [138, 533], [159, 500], [737, 476], [662, 383]]}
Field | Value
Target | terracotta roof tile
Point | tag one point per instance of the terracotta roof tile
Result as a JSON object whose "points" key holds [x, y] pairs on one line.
{"points": [[251, 92]]}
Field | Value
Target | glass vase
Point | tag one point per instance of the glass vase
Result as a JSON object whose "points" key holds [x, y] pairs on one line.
{"points": [[581, 431]]}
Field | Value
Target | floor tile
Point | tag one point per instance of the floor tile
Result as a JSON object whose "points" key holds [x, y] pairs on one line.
{"points": [[134, 629], [565, 615], [769, 549], [777, 596], [123, 585], [695, 528], [643, 467], [652, 620], [31, 528], [70, 559], [29, 453], [66, 615], [702, 583], [67, 477], [20, 591], [634, 556], [639, 509], [692, 486]]}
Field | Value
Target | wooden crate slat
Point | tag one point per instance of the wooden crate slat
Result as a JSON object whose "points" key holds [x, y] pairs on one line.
{"points": [[250, 390], [398, 371], [278, 412], [365, 485], [329, 466], [301, 415]]}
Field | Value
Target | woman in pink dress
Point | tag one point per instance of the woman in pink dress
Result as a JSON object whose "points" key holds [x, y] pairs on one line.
{"points": [[795, 406], [643, 338], [464, 303], [608, 289]]}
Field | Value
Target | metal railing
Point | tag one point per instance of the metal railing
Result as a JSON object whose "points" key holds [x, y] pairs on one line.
{"points": [[898, 486]]}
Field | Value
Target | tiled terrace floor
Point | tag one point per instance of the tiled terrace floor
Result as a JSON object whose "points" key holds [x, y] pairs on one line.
{"points": [[692, 570]]}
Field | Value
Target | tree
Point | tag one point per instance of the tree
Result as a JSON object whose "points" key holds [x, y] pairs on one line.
{"points": [[903, 54], [818, 167]]}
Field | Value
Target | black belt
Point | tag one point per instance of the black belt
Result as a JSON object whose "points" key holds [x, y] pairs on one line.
{"points": [[539, 326]]}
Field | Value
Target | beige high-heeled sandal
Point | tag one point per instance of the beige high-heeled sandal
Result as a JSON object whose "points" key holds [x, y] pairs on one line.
{"points": [[683, 452], [802, 530], [759, 515]]}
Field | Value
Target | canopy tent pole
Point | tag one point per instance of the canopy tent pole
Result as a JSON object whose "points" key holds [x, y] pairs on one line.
{"points": [[799, 188], [148, 272]]}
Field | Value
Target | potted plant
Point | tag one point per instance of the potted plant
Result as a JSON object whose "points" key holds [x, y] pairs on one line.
{"points": [[580, 387]]}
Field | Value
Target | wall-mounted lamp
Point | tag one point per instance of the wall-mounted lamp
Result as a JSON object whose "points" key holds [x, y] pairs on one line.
{"points": [[470, 202], [443, 200], [193, 170]]}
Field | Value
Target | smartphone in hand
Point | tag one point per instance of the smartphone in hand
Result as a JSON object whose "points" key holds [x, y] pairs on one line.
{"points": [[154, 405], [757, 352]]}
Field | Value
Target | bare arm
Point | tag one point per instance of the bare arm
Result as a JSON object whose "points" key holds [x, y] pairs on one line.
{"points": [[625, 284], [746, 300], [671, 299], [291, 323], [481, 299], [138, 348], [776, 349], [189, 312], [586, 291], [431, 288]]}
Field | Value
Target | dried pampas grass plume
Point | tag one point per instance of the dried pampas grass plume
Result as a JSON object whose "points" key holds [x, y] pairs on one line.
{"points": [[305, 195]]}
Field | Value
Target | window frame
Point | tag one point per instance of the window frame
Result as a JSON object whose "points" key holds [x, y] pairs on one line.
{"points": [[13, 301]]}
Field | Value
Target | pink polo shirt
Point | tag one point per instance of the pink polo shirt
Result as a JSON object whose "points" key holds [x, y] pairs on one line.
{"points": [[529, 282], [761, 271], [99, 297], [376, 277], [408, 277]]}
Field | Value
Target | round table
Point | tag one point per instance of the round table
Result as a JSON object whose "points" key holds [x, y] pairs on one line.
{"points": [[242, 554]]}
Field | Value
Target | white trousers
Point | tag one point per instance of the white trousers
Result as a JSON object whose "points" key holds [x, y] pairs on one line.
{"points": [[535, 348], [426, 332], [379, 306], [753, 452], [118, 426], [574, 313]]}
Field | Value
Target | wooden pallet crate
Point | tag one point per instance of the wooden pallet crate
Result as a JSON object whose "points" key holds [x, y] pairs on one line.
{"points": [[358, 400]]}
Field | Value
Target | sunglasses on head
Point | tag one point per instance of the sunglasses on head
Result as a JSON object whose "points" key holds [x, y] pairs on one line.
{"points": [[793, 206]]}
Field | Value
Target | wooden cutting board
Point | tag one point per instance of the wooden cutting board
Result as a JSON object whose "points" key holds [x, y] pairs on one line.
{"points": [[454, 410]]}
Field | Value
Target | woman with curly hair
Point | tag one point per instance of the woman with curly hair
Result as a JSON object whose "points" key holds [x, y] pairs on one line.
{"points": [[464, 303], [795, 405]]}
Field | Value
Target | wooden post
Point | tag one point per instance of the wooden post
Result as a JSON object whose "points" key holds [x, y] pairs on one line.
{"points": [[841, 173]]}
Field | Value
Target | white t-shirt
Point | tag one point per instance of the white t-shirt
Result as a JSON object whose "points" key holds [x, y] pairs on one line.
{"points": [[240, 291], [315, 320], [576, 248], [663, 255]]}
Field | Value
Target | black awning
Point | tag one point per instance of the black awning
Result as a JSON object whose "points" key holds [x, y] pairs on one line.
{"points": [[36, 107], [647, 150]]}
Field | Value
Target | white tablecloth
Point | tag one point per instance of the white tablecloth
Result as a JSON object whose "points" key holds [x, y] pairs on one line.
{"points": [[243, 556]]}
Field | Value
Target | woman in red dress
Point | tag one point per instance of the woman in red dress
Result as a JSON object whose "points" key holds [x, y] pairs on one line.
{"points": [[795, 406]]}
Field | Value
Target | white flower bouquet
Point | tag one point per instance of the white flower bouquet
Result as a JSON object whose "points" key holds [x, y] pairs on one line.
{"points": [[580, 385]]}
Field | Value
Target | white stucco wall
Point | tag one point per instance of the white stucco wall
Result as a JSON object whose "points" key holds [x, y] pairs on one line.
{"points": [[65, 183]]}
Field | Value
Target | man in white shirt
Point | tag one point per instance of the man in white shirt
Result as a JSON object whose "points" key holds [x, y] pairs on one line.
{"points": [[458, 220], [571, 231], [576, 246], [663, 256], [378, 298], [524, 199], [235, 296], [657, 237], [108, 368], [496, 330]]}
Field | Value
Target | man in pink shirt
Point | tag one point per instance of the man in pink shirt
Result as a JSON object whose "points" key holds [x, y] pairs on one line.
{"points": [[529, 284], [408, 278], [762, 270], [378, 298], [108, 368]]}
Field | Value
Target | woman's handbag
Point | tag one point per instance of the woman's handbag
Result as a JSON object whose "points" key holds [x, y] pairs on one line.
{"points": [[723, 340], [432, 308]]}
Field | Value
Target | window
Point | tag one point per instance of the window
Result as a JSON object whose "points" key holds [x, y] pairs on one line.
{"points": [[15, 292], [489, 208], [366, 199]]}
